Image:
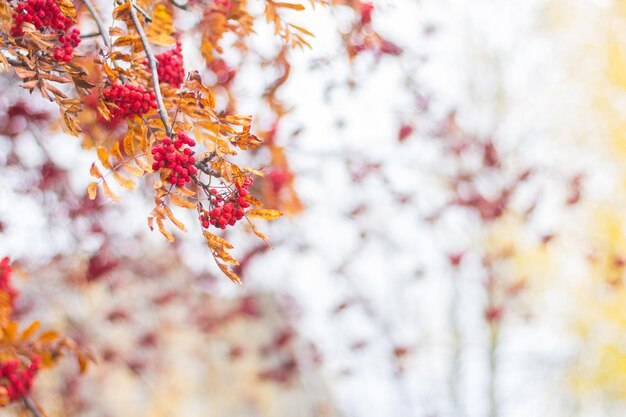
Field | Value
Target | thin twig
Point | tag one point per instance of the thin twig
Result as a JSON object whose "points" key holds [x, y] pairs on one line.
{"points": [[179, 5], [143, 12], [101, 28], [90, 35], [31, 406], [153, 67]]}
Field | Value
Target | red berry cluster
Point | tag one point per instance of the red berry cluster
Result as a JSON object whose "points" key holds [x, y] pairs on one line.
{"points": [[5, 279], [175, 156], [42, 14], [170, 68], [69, 41], [47, 15], [17, 379], [129, 100], [366, 13], [227, 209]]}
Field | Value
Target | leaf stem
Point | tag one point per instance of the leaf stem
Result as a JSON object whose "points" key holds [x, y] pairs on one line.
{"points": [[153, 67]]}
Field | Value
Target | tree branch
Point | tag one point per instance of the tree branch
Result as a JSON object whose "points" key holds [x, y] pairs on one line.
{"points": [[179, 5], [96, 17], [153, 67], [31, 406], [90, 35], [145, 14]]}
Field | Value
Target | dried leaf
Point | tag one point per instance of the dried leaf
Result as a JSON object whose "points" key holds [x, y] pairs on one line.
{"points": [[26, 334], [177, 223], [123, 181], [49, 336], [178, 201], [185, 192], [265, 214], [109, 193], [129, 146], [163, 231], [133, 170], [230, 274], [103, 156], [92, 190], [94, 171], [216, 241]]}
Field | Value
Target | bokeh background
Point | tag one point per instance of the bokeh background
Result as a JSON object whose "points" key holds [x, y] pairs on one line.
{"points": [[454, 243]]}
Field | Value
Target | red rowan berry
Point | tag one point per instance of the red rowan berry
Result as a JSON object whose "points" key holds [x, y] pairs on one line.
{"points": [[170, 66], [174, 156], [128, 100], [47, 16], [227, 207], [16, 378]]}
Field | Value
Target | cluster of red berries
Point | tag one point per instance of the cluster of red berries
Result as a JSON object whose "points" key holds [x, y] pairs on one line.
{"points": [[278, 177], [129, 100], [5, 279], [174, 154], [47, 15], [42, 14], [170, 68], [17, 379], [366, 13], [227, 209], [69, 41]]}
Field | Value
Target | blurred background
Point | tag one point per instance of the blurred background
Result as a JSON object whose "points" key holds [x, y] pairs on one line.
{"points": [[454, 182]]}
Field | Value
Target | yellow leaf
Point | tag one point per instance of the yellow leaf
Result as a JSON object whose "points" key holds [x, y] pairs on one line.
{"points": [[178, 201], [92, 190], [230, 274], [129, 146], [103, 156], [116, 152], [123, 181], [94, 171], [160, 30], [82, 363], [292, 6], [216, 241], [225, 256], [133, 170], [143, 165], [163, 231], [250, 199], [174, 220], [26, 334], [49, 336], [301, 29], [109, 193], [67, 8], [265, 214], [185, 192], [11, 331]]}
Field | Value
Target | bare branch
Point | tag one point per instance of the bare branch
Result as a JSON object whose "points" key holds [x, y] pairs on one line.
{"points": [[145, 14], [175, 3], [90, 35], [96, 17], [153, 67], [31, 406]]}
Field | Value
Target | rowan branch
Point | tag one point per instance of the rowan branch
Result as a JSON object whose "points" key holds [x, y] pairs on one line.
{"points": [[145, 14], [30, 405], [96, 17], [153, 67], [175, 3], [90, 35]]}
